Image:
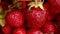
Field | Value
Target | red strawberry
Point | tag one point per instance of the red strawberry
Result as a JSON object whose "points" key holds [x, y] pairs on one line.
{"points": [[14, 18], [34, 31], [58, 22], [58, 2], [54, 6], [57, 29], [7, 29], [19, 31], [36, 16], [48, 27]]}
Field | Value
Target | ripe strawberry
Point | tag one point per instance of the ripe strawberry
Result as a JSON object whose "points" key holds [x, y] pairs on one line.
{"points": [[48, 27], [19, 31], [14, 18], [58, 22], [36, 16], [6, 29], [54, 8], [57, 29], [34, 31], [58, 2]]}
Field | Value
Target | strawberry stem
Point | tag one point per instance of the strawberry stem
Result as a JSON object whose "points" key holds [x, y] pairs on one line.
{"points": [[42, 1], [2, 22], [36, 2], [1, 9], [1, 17], [15, 1]]}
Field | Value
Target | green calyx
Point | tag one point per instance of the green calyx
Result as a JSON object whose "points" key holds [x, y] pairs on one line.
{"points": [[36, 4], [1, 9]]}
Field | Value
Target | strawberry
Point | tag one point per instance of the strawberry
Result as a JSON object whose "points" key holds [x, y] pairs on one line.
{"points": [[58, 22], [36, 15], [19, 31], [54, 8], [57, 29], [58, 2], [6, 29], [14, 18], [34, 31], [49, 27]]}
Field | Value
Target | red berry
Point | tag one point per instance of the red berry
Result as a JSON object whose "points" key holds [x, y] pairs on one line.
{"points": [[36, 17], [48, 27], [7, 29], [14, 18], [19, 31], [34, 31], [58, 22], [58, 2], [54, 8]]}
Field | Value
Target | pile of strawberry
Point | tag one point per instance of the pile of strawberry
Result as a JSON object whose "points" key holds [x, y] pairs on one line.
{"points": [[29, 17]]}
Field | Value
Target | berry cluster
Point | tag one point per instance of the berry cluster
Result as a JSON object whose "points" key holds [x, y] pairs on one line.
{"points": [[30, 17]]}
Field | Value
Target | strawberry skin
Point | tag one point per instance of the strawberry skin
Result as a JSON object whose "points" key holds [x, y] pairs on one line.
{"points": [[34, 31], [58, 22], [48, 27], [36, 17], [14, 18], [19, 31], [6, 29], [54, 8]]}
